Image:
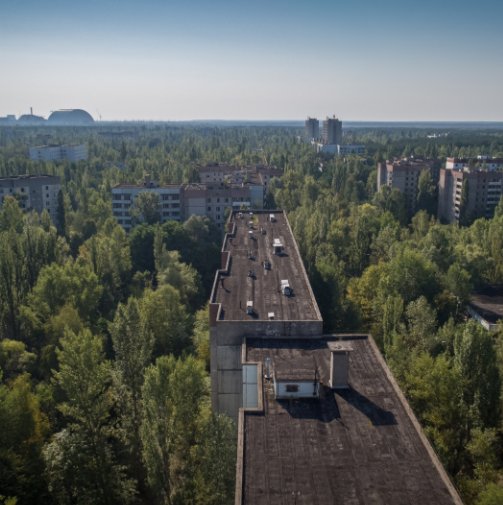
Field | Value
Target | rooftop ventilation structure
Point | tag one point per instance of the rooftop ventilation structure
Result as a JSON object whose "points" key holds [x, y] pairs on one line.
{"points": [[339, 364], [277, 246], [285, 287]]}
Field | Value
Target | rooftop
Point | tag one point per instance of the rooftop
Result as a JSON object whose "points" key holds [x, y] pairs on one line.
{"points": [[29, 177], [149, 186], [253, 271], [489, 304], [360, 445]]}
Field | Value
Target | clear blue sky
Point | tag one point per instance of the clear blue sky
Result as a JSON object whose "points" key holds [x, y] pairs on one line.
{"points": [[256, 59]]}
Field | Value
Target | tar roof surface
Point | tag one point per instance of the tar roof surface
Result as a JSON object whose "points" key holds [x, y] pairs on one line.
{"points": [[356, 446], [489, 306], [234, 289]]}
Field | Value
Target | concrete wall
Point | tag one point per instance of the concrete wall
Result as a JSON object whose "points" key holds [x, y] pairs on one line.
{"points": [[226, 338]]}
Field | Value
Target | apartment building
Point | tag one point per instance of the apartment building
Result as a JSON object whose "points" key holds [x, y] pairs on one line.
{"points": [[332, 131], [404, 175], [223, 188], [124, 195], [33, 192], [469, 189], [311, 129], [320, 418], [76, 152]]}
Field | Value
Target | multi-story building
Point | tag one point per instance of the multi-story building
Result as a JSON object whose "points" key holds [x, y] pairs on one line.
{"points": [[124, 195], [222, 188], [215, 200], [59, 152], [340, 150], [320, 417], [403, 175], [312, 129], [469, 189], [33, 192], [332, 131]]}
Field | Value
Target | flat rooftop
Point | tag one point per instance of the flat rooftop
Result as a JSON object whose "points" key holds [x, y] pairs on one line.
{"points": [[249, 247], [489, 304], [360, 445]]}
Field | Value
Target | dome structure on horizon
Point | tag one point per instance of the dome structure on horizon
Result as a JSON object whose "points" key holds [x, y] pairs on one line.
{"points": [[31, 119], [70, 117]]}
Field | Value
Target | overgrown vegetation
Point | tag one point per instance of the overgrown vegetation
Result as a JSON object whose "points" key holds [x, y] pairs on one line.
{"points": [[104, 393]]}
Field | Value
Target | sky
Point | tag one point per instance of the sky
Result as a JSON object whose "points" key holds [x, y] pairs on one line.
{"points": [[368, 60]]}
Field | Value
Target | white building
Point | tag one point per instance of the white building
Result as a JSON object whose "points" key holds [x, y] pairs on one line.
{"points": [[124, 195], [76, 152]]}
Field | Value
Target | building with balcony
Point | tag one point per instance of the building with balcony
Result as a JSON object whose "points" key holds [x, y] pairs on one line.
{"points": [[124, 196], [403, 174], [469, 189], [33, 192]]}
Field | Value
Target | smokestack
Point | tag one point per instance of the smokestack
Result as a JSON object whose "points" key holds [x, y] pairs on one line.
{"points": [[31, 111], [339, 364]]}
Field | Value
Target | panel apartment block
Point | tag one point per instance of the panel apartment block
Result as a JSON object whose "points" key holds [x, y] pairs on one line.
{"points": [[472, 187], [34, 192], [403, 175], [259, 252], [59, 153]]}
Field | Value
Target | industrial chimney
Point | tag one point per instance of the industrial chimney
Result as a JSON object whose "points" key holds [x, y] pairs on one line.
{"points": [[339, 364]]}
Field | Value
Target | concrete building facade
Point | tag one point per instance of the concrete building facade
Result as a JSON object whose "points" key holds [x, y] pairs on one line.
{"points": [[59, 152], [403, 175], [34, 192], [311, 129], [223, 188], [469, 189], [124, 195], [332, 131]]}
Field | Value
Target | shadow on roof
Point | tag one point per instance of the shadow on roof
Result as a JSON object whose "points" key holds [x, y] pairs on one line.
{"points": [[377, 415]]}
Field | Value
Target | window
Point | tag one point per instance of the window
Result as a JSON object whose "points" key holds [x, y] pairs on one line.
{"points": [[292, 388], [209, 209]]}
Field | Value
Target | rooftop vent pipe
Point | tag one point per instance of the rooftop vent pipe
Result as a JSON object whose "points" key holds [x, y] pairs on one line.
{"points": [[339, 364]]}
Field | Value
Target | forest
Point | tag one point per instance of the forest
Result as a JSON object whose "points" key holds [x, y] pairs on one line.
{"points": [[104, 338]]}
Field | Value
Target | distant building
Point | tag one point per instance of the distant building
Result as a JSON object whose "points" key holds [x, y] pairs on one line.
{"points": [[332, 131], [469, 189], [341, 150], [59, 152], [312, 129], [403, 175], [31, 120], [124, 195], [70, 117], [10, 119], [222, 188], [34, 192]]}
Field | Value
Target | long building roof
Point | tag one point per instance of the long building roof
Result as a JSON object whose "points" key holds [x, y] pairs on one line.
{"points": [[360, 445], [248, 245]]}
